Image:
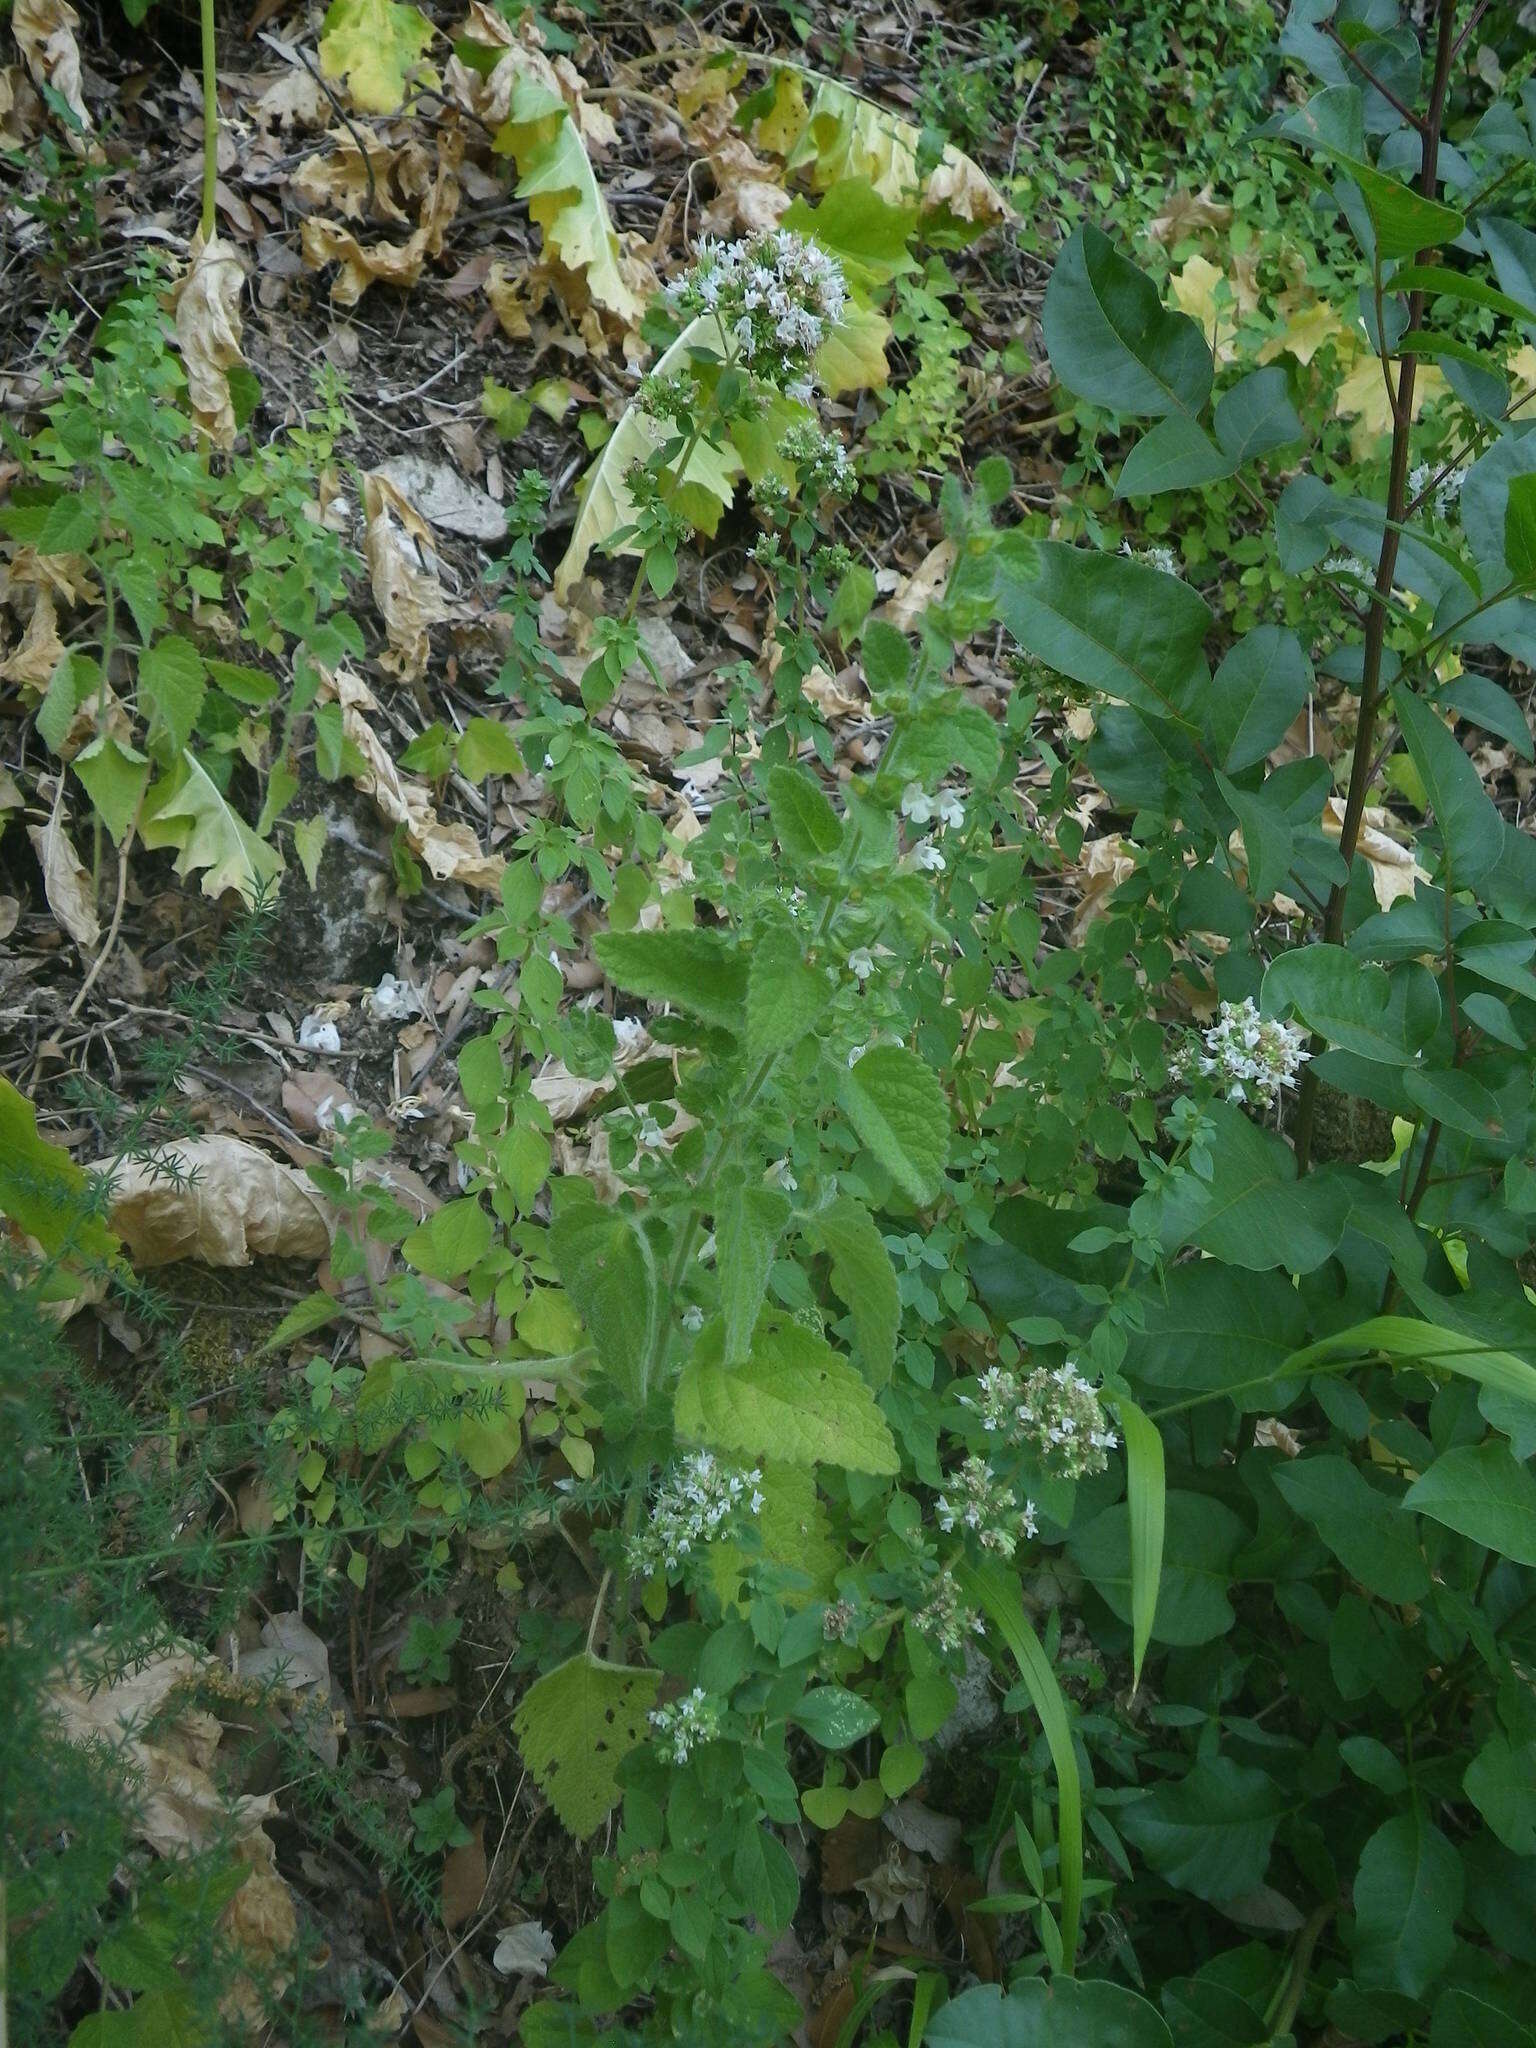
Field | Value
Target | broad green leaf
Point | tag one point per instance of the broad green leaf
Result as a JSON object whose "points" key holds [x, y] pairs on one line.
{"points": [[171, 689], [1269, 844], [1512, 249], [1256, 416], [1209, 1327], [1362, 1526], [1111, 623], [794, 1399], [1353, 1003], [1520, 528], [867, 234], [1404, 220], [1462, 2021], [251, 686], [555, 176], [1146, 1489], [786, 996], [1263, 681], [834, 1717], [1111, 340], [804, 823], [1457, 1100], [185, 810], [1471, 830], [692, 970], [1175, 455], [373, 44], [1065, 2013], [863, 1278], [748, 1223], [1253, 1211], [575, 1726], [1201, 1537], [1483, 1493], [115, 778], [605, 1264], [897, 1105], [1210, 1832], [996, 1592], [701, 493], [486, 747], [42, 1190], [452, 1240], [1480, 699], [1407, 1893]]}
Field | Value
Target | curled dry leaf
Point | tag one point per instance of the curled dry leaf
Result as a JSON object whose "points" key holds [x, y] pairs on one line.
{"points": [[525, 1951], [450, 852], [749, 196], [402, 568], [45, 33], [325, 241], [834, 696], [1105, 864], [912, 597], [232, 1204], [208, 333], [1189, 213], [1394, 871], [1272, 1434], [40, 650], [66, 881], [336, 178]]}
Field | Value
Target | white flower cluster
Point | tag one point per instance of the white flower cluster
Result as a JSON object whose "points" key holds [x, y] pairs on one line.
{"points": [[945, 1618], [919, 808], [1255, 1056], [1054, 1410], [822, 463], [1447, 491], [684, 1725], [775, 295], [1157, 556], [986, 1507], [1349, 565], [699, 1499]]}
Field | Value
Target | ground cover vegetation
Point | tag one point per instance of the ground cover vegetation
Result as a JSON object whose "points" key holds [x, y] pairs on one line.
{"points": [[766, 1136]]}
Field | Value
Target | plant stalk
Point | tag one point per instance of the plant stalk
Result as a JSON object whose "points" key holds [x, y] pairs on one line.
{"points": [[207, 225]]}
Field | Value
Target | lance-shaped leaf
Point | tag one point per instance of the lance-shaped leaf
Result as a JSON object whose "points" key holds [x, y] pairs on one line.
{"points": [[1111, 339]]}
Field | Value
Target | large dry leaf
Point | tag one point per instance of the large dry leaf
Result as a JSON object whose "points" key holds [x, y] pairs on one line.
{"points": [[233, 1204], [208, 333], [397, 263], [336, 179], [45, 33], [748, 194], [924, 587], [41, 650], [402, 568], [1394, 871], [66, 881], [451, 853]]}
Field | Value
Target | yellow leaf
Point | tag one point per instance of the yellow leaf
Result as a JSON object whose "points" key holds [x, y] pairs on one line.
{"points": [[1308, 325], [852, 358], [1522, 377], [186, 811], [1362, 397], [373, 44], [1198, 291]]}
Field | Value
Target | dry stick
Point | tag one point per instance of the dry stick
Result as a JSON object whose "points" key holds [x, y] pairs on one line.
{"points": [[1376, 619]]}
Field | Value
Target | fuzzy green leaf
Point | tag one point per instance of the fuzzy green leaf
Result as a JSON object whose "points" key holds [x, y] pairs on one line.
{"points": [[897, 1106], [575, 1726], [794, 1399]]}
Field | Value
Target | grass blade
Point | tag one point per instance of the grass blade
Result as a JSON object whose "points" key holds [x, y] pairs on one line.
{"points": [[1403, 1337], [996, 1593], [1146, 1493]]}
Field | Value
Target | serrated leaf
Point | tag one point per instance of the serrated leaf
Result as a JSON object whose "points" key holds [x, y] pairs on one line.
{"points": [[748, 1223], [605, 1265], [575, 1726], [186, 811], [786, 996], [897, 1105], [42, 1190], [692, 970], [863, 1279], [794, 1399], [373, 44], [804, 823], [115, 778], [171, 687]]}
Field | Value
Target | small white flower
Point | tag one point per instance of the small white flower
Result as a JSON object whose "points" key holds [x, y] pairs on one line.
{"points": [[916, 804], [693, 1318], [951, 812], [628, 1031], [391, 1001], [861, 963], [856, 1053], [318, 1034], [651, 1133], [785, 1178], [928, 857]]}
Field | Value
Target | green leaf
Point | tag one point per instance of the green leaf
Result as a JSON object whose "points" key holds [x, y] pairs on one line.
{"points": [[486, 747], [786, 996], [1404, 220], [605, 1264], [575, 1726], [1362, 1526], [863, 1279], [698, 971], [747, 1227], [453, 1239], [1256, 416], [310, 838], [373, 44], [312, 1313], [1269, 844], [1214, 1328], [1175, 455], [794, 1399], [896, 1104], [1480, 1491], [1407, 1893], [1200, 1539], [1106, 621], [115, 778], [1520, 528], [172, 687], [1253, 1211], [1500, 1781], [1462, 2021], [1110, 340], [1471, 830], [1437, 281], [185, 810], [804, 823], [42, 1190], [1066, 2013], [1352, 1003], [251, 686], [996, 1592], [834, 1717], [1262, 683], [1422, 1344], [867, 234], [1208, 1833], [1146, 1488]]}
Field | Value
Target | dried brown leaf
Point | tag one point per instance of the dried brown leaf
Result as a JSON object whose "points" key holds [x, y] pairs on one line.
{"points": [[66, 881], [233, 1204], [402, 568], [33, 661], [45, 33], [208, 332]]}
